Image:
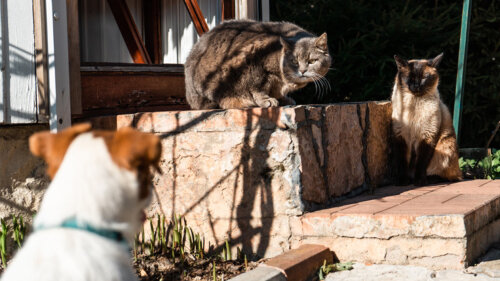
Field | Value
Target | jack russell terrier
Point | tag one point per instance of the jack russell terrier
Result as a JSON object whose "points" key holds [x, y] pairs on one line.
{"points": [[101, 183]]}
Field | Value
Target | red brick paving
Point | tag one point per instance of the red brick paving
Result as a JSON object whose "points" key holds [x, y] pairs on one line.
{"points": [[451, 198]]}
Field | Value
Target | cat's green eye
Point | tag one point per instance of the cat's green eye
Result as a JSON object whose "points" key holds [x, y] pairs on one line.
{"points": [[312, 61]]}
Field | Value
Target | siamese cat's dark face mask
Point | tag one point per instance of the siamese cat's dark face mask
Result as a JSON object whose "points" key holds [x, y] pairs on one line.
{"points": [[419, 76]]}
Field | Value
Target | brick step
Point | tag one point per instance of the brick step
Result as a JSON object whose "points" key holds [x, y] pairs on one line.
{"points": [[439, 226]]}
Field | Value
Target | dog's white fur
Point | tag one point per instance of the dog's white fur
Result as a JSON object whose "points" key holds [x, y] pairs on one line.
{"points": [[90, 187]]}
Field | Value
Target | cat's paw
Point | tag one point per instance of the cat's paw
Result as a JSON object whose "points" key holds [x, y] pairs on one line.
{"points": [[287, 101], [269, 102], [421, 181]]}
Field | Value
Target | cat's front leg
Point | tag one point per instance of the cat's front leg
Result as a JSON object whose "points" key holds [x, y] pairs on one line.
{"points": [[399, 161], [424, 155], [264, 100], [287, 101]]}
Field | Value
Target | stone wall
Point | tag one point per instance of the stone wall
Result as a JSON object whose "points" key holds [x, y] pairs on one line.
{"points": [[241, 175]]}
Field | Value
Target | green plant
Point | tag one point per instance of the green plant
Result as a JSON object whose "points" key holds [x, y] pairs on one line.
{"points": [[174, 238], [327, 268], [486, 168], [3, 242], [491, 165], [214, 272], [152, 241], [19, 228]]}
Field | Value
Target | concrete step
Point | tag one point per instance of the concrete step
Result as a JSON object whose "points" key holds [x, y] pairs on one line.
{"points": [[440, 226]]}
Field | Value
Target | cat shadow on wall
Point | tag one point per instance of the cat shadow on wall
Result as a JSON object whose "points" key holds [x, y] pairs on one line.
{"points": [[257, 180], [252, 180]]}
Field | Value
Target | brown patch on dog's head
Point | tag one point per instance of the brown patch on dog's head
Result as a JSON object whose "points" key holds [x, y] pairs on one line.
{"points": [[134, 150], [52, 147], [129, 149]]}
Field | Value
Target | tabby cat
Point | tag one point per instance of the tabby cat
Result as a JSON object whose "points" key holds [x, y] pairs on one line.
{"points": [[244, 63], [423, 136]]}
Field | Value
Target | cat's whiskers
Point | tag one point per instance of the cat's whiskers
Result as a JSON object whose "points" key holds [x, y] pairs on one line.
{"points": [[315, 87], [322, 87], [316, 79], [322, 84], [327, 82]]}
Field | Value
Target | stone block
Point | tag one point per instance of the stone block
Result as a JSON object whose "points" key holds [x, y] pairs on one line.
{"points": [[261, 273], [377, 141], [344, 167], [300, 263], [429, 252]]}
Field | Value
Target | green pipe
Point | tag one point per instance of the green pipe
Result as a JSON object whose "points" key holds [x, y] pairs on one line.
{"points": [[462, 60]]}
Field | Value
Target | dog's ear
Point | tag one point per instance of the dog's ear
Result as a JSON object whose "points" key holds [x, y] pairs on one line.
{"points": [[132, 149], [52, 147]]}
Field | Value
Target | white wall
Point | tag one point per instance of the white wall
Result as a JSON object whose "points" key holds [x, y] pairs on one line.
{"points": [[17, 54], [178, 32]]}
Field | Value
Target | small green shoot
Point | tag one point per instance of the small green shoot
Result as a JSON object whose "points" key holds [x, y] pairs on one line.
{"points": [[19, 228], [214, 273], [228, 252], [3, 242]]}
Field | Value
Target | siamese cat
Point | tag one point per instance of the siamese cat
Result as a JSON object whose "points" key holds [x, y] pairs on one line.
{"points": [[424, 141]]}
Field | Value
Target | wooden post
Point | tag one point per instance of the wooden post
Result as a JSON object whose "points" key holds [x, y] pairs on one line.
{"points": [[58, 66], [74, 57], [43, 113], [227, 9], [152, 29], [129, 31], [197, 16]]}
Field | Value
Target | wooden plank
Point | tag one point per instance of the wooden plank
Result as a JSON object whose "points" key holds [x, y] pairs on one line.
{"points": [[227, 9], [58, 65], [74, 56], [41, 61], [18, 79], [152, 30], [111, 90], [196, 16], [132, 68], [129, 31]]}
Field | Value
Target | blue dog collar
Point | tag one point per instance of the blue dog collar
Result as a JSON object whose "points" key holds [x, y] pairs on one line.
{"points": [[73, 224]]}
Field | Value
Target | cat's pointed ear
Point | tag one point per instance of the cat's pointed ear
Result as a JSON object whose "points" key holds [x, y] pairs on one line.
{"points": [[322, 42], [435, 61], [400, 62], [286, 45]]}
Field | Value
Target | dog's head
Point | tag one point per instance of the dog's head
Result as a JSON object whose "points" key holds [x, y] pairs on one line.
{"points": [[107, 172]]}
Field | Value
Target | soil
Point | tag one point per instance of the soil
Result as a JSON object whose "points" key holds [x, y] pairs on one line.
{"points": [[158, 268]]}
